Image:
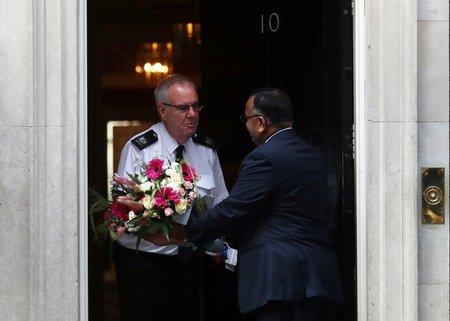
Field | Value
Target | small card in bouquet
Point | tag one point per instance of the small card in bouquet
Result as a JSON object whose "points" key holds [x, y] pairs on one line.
{"points": [[184, 218]]}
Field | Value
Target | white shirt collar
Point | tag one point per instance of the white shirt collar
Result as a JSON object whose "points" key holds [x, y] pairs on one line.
{"points": [[170, 142], [281, 130]]}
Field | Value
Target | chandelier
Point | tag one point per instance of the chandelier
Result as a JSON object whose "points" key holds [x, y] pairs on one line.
{"points": [[154, 60]]}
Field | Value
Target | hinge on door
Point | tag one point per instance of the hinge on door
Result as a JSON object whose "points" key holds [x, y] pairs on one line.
{"points": [[345, 10], [353, 141], [349, 143]]}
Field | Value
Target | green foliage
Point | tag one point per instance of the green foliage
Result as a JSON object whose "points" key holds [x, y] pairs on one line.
{"points": [[98, 204]]}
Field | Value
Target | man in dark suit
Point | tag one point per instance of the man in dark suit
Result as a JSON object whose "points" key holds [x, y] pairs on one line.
{"points": [[277, 214]]}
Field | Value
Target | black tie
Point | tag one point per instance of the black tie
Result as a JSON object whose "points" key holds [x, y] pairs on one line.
{"points": [[179, 153], [184, 252]]}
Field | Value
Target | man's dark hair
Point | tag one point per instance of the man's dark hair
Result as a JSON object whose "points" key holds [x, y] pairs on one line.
{"points": [[273, 103]]}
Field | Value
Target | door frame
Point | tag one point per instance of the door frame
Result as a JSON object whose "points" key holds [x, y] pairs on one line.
{"points": [[359, 77], [359, 72]]}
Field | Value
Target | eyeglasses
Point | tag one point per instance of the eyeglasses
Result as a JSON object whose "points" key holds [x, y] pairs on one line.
{"points": [[185, 108], [244, 118]]}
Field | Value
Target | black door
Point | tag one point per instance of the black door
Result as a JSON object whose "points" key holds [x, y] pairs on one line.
{"points": [[304, 48]]}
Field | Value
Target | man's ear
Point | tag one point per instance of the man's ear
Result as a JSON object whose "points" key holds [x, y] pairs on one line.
{"points": [[262, 124], [161, 111]]}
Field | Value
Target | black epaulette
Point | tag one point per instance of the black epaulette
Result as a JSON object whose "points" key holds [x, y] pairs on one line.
{"points": [[204, 140], [145, 140]]}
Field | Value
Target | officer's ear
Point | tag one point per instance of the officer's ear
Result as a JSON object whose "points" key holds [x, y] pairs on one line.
{"points": [[162, 111]]}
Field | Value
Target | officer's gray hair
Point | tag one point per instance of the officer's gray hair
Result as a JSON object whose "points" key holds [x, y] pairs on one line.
{"points": [[162, 89]]}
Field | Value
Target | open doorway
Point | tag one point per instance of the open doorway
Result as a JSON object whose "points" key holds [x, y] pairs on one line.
{"points": [[228, 49]]}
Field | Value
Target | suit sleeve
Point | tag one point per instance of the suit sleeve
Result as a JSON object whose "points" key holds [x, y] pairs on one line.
{"points": [[245, 204]]}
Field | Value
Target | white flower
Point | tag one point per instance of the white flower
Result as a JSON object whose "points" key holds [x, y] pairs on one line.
{"points": [[164, 182], [174, 175], [175, 186], [181, 207], [142, 178], [174, 165], [177, 178], [147, 186], [131, 215], [147, 201], [155, 214]]}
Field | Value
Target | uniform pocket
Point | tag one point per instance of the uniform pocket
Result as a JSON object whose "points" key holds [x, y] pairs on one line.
{"points": [[206, 183]]}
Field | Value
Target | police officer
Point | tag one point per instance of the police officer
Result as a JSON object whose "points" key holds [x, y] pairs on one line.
{"points": [[154, 283]]}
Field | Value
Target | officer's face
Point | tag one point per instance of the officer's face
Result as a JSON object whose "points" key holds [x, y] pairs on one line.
{"points": [[182, 115]]}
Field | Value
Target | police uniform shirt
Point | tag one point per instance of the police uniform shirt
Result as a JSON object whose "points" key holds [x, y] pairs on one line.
{"points": [[204, 159]]}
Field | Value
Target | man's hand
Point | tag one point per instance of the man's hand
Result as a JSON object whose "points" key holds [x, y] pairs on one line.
{"points": [[177, 236]]}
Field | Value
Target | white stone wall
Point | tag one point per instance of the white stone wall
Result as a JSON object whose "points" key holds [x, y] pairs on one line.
{"points": [[16, 102], [42, 103], [401, 121], [386, 159], [433, 129]]}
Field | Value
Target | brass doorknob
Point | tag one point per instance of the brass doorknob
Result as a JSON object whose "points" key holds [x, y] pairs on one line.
{"points": [[433, 195]]}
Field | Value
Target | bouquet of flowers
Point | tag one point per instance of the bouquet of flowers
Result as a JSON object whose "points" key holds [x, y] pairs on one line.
{"points": [[148, 200]]}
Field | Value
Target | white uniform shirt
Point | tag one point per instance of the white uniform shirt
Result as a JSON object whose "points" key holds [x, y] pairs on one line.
{"points": [[202, 158]]}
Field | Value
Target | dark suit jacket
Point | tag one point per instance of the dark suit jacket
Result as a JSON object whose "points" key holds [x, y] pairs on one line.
{"points": [[277, 211]]}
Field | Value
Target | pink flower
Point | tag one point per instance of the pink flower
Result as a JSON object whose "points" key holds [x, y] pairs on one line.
{"points": [[124, 182], [131, 204], [154, 168], [189, 173], [163, 197], [168, 211]]}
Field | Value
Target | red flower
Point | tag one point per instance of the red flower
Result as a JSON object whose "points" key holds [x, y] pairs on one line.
{"points": [[163, 197], [154, 168], [107, 215], [188, 172], [119, 210]]}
